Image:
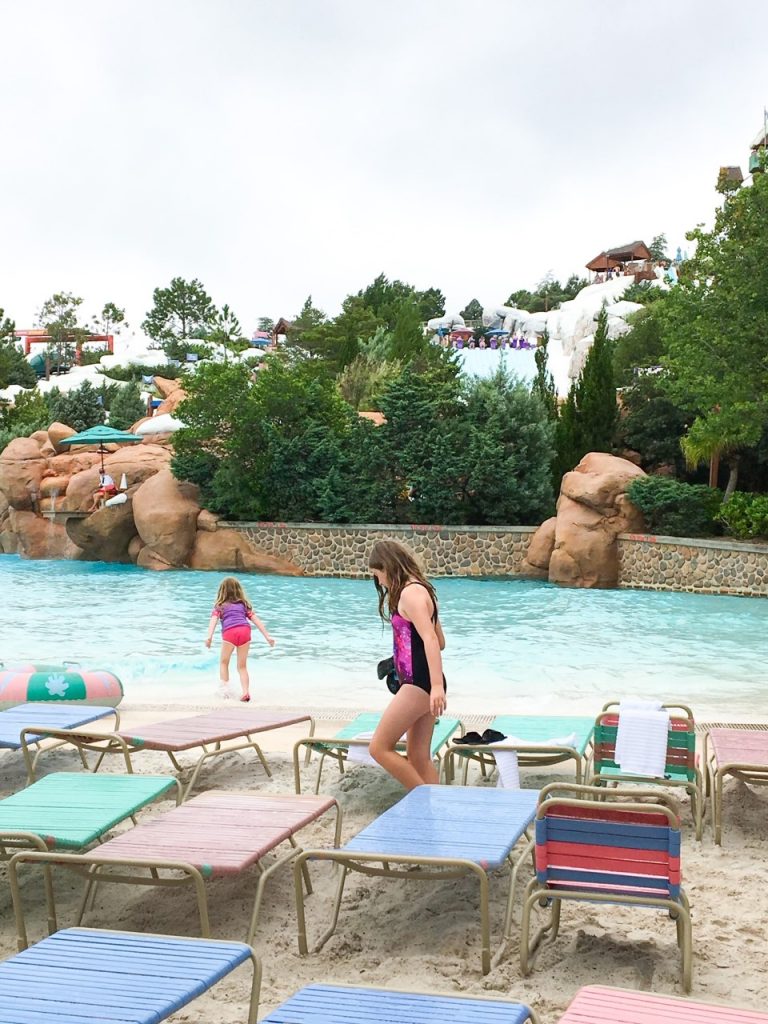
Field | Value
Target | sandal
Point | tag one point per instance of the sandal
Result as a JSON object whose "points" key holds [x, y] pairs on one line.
{"points": [[470, 738], [493, 736]]}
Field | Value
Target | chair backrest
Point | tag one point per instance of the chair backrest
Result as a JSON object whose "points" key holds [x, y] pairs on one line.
{"points": [[681, 743], [608, 848]]}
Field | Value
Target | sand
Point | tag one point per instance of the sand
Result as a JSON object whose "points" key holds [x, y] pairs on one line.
{"points": [[424, 936]]}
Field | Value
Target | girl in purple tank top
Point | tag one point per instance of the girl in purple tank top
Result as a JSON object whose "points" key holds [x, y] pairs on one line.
{"points": [[407, 599], [235, 613]]}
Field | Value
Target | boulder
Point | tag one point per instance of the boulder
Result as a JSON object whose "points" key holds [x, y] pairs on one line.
{"points": [[40, 437], [536, 562], [56, 434], [230, 551], [172, 402], [21, 469], [592, 511], [73, 462], [165, 512], [149, 559], [207, 521], [134, 547], [139, 462], [105, 535], [81, 488], [42, 538], [53, 485], [165, 386]]}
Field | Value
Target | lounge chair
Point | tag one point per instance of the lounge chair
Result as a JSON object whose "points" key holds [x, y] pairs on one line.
{"points": [[606, 851], [70, 811], [740, 753], [681, 769], [24, 717], [451, 831], [597, 1004], [207, 732], [89, 976], [334, 1003], [535, 750], [218, 833], [337, 746]]}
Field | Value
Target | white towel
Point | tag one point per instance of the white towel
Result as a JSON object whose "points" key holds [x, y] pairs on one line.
{"points": [[507, 763], [641, 738], [359, 753]]}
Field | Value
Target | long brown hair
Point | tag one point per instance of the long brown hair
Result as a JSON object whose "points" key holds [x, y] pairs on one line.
{"points": [[401, 567], [230, 592]]}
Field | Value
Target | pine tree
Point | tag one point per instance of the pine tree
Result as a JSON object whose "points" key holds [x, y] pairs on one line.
{"points": [[127, 407], [79, 409], [544, 383], [596, 395]]}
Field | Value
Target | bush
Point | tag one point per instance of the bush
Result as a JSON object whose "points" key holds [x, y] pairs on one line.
{"points": [[134, 372], [675, 509], [745, 515]]}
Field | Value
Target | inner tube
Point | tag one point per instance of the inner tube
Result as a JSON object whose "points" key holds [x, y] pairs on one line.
{"points": [[25, 684]]}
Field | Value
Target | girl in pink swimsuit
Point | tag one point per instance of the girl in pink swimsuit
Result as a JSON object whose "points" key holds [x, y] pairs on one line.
{"points": [[235, 612], [407, 599]]}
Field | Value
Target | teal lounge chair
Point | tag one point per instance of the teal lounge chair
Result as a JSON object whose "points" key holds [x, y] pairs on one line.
{"points": [[337, 746]]}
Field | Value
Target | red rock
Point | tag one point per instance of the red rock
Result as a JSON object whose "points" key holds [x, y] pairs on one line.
{"points": [[536, 561], [172, 402], [21, 470], [148, 559], [105, 535], [51, 484], [229, 550], [40, 437], [57, 432], [134, 547], [165, 512], [38, 537], [207, 521], [166, 386]]}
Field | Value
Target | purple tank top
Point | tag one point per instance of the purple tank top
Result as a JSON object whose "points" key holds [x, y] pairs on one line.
{"points": [[233, 614]]}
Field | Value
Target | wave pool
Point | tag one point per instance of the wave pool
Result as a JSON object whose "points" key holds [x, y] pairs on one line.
{"points": [[512, 645]]}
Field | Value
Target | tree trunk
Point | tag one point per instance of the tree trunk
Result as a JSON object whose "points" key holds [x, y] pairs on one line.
{"points": [[714, 469], [733, 476]]}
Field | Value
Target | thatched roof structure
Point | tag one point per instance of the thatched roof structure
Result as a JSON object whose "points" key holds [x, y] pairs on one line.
{"points": [[610, 259]]}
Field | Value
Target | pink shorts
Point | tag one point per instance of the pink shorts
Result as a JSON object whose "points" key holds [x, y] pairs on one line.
{"points": [[237, 635]]}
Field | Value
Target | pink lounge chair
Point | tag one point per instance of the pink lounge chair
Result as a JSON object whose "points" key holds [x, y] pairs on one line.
{"points": [[236, 727], [740, 753], [218, 833], [598, 1005]]}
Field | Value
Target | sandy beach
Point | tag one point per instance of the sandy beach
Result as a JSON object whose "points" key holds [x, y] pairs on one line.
{"points": [[424, 936]]}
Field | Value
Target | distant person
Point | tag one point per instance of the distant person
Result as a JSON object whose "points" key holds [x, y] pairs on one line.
{"points": [[235, 612], [106, 489], [408, 601]]}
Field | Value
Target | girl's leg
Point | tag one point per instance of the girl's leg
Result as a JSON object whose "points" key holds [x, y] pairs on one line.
{"points": [[242, 666], [226, 654], [419, 747], [406, 708]]}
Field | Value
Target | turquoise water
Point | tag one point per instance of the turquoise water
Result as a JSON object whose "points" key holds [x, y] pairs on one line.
{"points": [[512, 645]]}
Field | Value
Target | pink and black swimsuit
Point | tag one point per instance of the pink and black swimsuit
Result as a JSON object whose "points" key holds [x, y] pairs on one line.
{"points": [[409, 655]]}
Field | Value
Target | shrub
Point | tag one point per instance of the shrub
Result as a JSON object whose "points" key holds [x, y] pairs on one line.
{"points": [[676, 509], [745, 515], [134, 372]]}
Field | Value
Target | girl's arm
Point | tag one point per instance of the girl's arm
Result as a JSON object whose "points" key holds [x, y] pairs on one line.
{"points": [[211, 629], [261, 628], [416, 603], [440, 635]]}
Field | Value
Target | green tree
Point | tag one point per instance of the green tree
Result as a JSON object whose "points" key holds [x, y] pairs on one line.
{"points": [[14, 368], [180, 312], [641, 348], [110, 320], [596, 394], [715, 324], [365, 379], [651, 424], [569, 447], [408, 338], [472, 311], [338, 341], [126, 407], [543, 384], [658, 248], [227, 333], [265, 323], [79, 408], [59, 318], [431, 303]]}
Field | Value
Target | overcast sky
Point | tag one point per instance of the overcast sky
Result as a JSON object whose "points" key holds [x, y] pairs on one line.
{"points": [[285, 147]]}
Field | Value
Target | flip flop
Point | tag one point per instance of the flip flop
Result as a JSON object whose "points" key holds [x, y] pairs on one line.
{"points": [[470, 738], [492, 736]]}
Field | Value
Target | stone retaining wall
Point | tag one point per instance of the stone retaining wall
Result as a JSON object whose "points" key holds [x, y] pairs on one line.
{"points": [[696, 566], [323, 549], [645, 562]]}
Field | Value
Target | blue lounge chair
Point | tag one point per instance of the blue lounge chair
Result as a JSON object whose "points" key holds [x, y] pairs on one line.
{"points": [[89, 976], [336, 1004], [51, 716], [529, 736], [452, 831]]}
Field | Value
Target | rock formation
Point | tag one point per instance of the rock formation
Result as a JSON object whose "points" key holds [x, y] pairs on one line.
{"points": [[159, 526], [577, 547]]}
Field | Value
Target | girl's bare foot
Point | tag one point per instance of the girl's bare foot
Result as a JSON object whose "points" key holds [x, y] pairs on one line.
{"points": [[245, 698]]}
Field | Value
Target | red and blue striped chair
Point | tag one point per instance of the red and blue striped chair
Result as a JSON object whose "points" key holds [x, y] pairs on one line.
{"points": [[609, 850]]}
